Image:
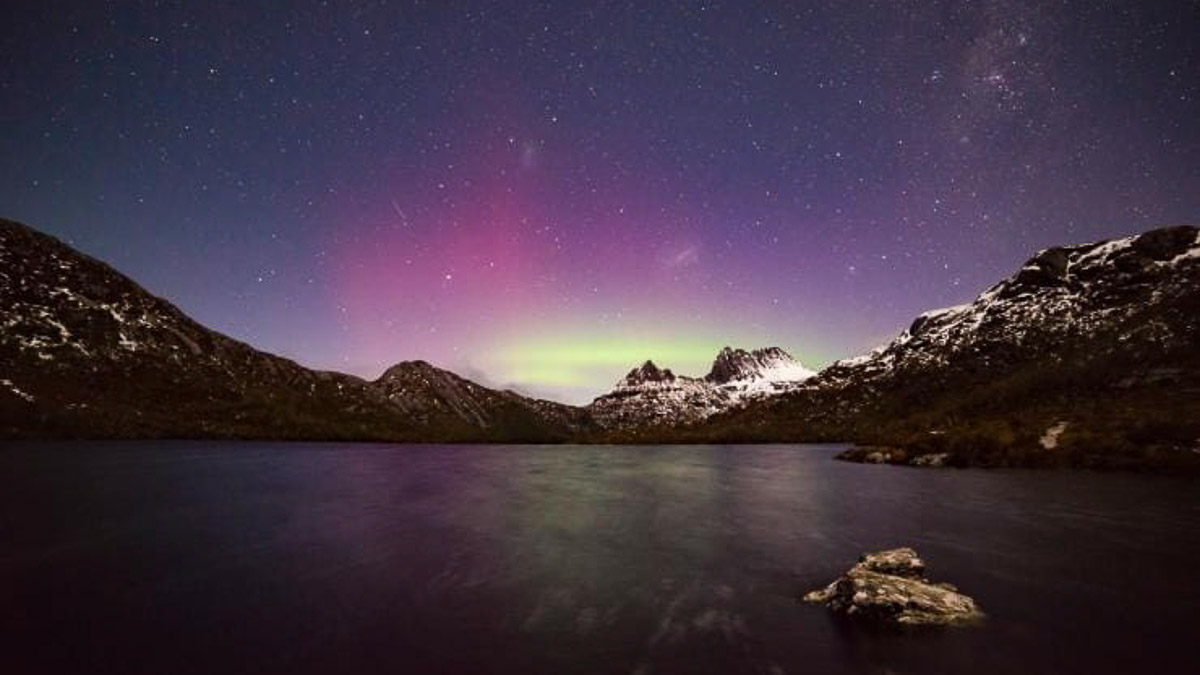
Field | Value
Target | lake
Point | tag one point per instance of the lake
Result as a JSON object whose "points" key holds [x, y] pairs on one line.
{"points": [[229, 557]]}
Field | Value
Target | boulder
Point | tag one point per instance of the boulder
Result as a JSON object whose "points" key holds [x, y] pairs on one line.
{"points": [[889, 587], [931, 459], [874, 454]]}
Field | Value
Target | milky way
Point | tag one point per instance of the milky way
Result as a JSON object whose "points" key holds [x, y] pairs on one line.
{"points": [[542, 195]]}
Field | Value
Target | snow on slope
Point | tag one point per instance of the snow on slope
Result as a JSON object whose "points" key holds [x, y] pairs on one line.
{"points": [[652, 396], [1060, 293]]}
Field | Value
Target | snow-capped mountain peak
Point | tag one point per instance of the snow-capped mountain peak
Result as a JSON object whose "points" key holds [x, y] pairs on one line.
{"points": [[650, 395], [770, 364], [1062, 296], [647, 372], [1085, 356]]}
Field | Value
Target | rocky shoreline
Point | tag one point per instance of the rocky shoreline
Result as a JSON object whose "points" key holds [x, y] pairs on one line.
{"points": [[884, 454], [1163, 459]]}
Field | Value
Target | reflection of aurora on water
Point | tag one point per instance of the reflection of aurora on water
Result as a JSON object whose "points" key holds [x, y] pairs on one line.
{"points": [[375, 558]]}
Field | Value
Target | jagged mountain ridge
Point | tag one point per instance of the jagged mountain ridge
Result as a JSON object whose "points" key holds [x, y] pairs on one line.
{"points": [[1061, 296], [649, 396], [85, 351], [771, 364], [1101, 338], [1092, 346]]}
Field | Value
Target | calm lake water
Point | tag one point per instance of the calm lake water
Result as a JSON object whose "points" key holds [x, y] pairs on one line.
{"points": [[185, 557]]}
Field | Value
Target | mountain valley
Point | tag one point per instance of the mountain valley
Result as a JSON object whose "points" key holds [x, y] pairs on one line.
{"points": [[1087, 356]]}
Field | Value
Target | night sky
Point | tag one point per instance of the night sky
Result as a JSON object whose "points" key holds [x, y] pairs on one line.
{"points": [[542, 195]]}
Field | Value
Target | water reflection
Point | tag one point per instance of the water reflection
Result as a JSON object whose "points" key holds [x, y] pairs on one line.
{"points": [[200, 557]]}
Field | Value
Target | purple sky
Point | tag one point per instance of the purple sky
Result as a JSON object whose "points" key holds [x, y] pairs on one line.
{"points": [[543, 195]]}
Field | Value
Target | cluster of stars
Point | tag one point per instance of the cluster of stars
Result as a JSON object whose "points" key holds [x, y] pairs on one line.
{"points": [[352, 184]]}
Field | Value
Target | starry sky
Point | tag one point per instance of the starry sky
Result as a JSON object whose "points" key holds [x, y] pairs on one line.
{"points": [[542, 195]]}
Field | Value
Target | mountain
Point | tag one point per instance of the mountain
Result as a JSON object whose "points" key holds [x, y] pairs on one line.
{"points": [[425, 393], [1088, 355], [652, 397], [756, 373], [85, 351]]}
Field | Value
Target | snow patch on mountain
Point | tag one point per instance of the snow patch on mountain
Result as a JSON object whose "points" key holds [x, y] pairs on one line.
{"points": [[653, 396], [1193, 253], [1060, 293]]}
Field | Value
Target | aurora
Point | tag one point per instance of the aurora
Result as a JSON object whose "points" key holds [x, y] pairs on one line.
{"points": [[548, 200]]}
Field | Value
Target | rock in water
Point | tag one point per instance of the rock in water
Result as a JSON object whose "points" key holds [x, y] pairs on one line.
{"points": [[888, 587]]}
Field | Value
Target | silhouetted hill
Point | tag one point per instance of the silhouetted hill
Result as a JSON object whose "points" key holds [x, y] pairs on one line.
{"points": [[85, 351]]}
